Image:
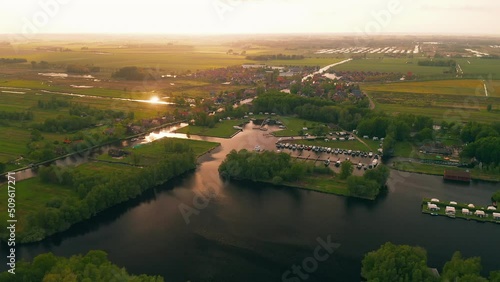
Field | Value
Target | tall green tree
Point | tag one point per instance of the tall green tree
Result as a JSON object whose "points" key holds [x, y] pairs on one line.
{"points": [[346, 169], [397, 263], [460, 269]]}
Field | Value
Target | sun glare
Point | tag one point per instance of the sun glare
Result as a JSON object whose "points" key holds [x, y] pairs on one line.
{"points": [[154, 100]]}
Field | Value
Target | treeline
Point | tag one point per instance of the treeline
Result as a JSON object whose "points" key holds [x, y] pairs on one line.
{"points": [[64, 124], [53, 104], [379, 124], [437, 63], [94, 266], [100, 190], [265, 166], [98, 114], [277, 102], [483, 142], [81, 117], [16, 116], [80, 69], [274, 57], [12, 60], [370, 184], [407, 263], [133, 73], [347, 115], [40, 65]]}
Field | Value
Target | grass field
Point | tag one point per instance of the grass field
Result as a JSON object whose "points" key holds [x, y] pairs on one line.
{"points": [[31, 196], [150, 153], [294, 125], [322, 183], [222, 129], [439, 170]]}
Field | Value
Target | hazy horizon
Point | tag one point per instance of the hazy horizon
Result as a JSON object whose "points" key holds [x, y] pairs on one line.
{"points": [[240, 17]]}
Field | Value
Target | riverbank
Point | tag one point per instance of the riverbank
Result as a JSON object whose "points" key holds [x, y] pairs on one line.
{"points": [[58, 198], [429, 169]]}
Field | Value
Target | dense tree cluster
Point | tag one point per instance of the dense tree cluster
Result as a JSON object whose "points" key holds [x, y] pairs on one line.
{"points": [[17, 116], [80, 69], [485, 150], [274, 57], [265, 166], [483, 142], [322, 110], [370, 184], [397, 263], [133, 73], [474, 131], [407, 264], [12, 60], [97, 114], [53, 104], [100, 190], [437, 63], [65, 124], [40, 65], [81, 117], [94, 266]]}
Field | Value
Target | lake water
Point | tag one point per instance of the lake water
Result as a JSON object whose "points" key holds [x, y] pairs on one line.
{"points": [[255, 232]]}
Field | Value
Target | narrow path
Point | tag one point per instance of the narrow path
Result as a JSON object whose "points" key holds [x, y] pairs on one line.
{"points": [[485, 88]]}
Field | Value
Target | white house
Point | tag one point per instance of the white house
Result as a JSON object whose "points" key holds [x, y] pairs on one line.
{"points": [[491, 208], [496, 216], [471, 206], [466, 212], [453, 203], [435, 200]]}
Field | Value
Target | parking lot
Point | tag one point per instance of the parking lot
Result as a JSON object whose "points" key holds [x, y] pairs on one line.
{"points": [[332, 157]]}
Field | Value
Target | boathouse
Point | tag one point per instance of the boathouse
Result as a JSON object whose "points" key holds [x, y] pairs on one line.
{"points": [[450, 210], [457, 175], [432, 207], [480, 213]]}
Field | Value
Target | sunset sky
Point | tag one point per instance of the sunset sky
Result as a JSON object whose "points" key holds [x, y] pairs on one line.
{"points": [[250, 16]]}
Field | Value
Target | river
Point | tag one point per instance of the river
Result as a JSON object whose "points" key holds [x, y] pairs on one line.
{"points": [[250, 232]]}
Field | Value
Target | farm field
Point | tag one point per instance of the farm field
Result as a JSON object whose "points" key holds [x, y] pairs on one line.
{"points": [[402, 65], [470, 87], [450, 100]]}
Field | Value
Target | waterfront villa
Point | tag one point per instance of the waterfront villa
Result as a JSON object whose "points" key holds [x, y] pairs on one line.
{"points": [[466, 212], [492, 208], [471, 206], [496, 216], [435, 200], [453, 203]]}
